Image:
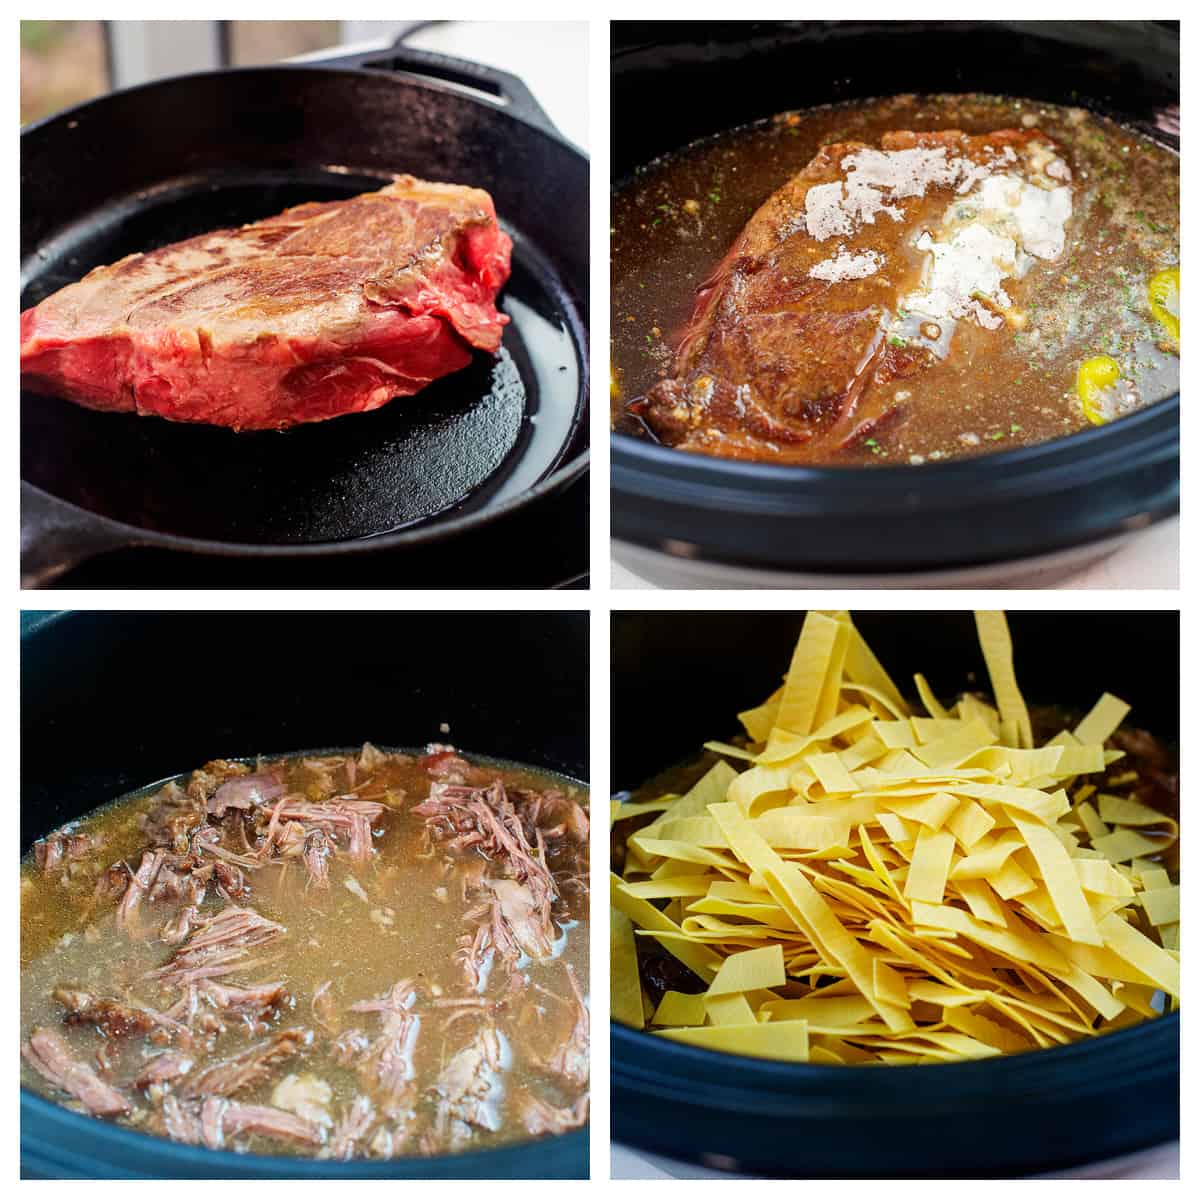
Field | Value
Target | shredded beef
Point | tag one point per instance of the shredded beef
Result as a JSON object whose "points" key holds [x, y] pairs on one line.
{"points": [[50, 1056], [251, 1067]]}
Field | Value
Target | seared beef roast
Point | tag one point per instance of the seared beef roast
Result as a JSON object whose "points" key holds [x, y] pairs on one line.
{"points": [[852, 277], [322, 310]]}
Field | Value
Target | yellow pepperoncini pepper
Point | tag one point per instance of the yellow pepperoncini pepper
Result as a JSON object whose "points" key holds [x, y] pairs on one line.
{"points": [[1163, 291], [1093, 382]]}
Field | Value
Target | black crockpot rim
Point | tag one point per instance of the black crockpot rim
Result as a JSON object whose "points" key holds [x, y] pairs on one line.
{"points": [[436, 530], [770, 487], [676, 1062], [142, 1145]]}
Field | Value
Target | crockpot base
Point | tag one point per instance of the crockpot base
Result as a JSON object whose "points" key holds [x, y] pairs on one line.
{"points": [[676, 567]]}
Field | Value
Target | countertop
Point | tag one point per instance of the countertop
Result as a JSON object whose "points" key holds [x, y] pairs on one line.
{"points": [[1161, 1162], [1147, 561]]}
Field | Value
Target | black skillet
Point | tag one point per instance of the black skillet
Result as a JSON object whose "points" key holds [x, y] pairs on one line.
{"points": [[1041, 500], [115, 701], [147, 166]]}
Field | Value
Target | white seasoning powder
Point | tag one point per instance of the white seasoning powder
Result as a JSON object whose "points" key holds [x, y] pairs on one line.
{"points": [[845, 265]]}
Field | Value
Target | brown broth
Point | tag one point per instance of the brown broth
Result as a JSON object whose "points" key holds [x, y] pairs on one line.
{"points": [[397, 917], [675, 220]]}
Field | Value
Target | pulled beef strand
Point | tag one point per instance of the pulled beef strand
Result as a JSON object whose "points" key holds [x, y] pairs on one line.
{"points": [[245, 792], [516, 915], [486, 819], [221, 939], [510, 923], [163, 1068], [140, 883], [339, 814], [528, 921], [51, 1057], [324, 1008], [352, 1128], [248, 1069], [53, 852], [386, 1068], [540, 1118], [555, 813], [252, 1004], [221, 1118], [317, 848]]}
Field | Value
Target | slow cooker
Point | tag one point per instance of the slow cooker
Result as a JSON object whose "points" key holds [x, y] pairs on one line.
{"points": [[1026, 515], [113, 701], [685, 676]]}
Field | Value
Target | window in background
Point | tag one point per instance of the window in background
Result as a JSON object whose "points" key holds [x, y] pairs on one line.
{"points": [[62, 63], [254, 42]]}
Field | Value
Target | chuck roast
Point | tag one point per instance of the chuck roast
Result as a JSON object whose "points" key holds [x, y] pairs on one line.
{"points": [[323, 310], [852, 278]]}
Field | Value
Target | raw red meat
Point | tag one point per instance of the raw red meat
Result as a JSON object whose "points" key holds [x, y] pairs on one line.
{"points": [[322, 310]]}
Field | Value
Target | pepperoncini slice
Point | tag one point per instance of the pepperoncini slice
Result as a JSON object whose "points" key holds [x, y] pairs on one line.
{"points": [[1163, 292], [1094, 382]]}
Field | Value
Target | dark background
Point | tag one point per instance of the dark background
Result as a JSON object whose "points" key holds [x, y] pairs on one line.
{"points": [[115, 701], [680, 679]]}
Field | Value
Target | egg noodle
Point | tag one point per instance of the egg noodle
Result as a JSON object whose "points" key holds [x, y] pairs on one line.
{"points": [[883, 884]]}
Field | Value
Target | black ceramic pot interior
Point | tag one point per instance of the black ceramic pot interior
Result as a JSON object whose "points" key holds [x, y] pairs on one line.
{"points": [[113, 701], [702, 79], [1017, 1115], [713, 665], [217, 150], [1128, 69]]}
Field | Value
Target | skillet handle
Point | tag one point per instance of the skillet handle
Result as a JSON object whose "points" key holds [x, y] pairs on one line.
{"points": [[502, 89], [56, 536]]}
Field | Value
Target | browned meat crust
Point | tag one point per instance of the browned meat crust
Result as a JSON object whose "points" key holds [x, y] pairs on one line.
{"points": [[780, 353], [114, 1017]]}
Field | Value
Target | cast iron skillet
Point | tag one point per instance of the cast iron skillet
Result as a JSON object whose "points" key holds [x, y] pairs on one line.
{"points": [[700, 80], [140, 168], [113, 701], [1019, 1115]]}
